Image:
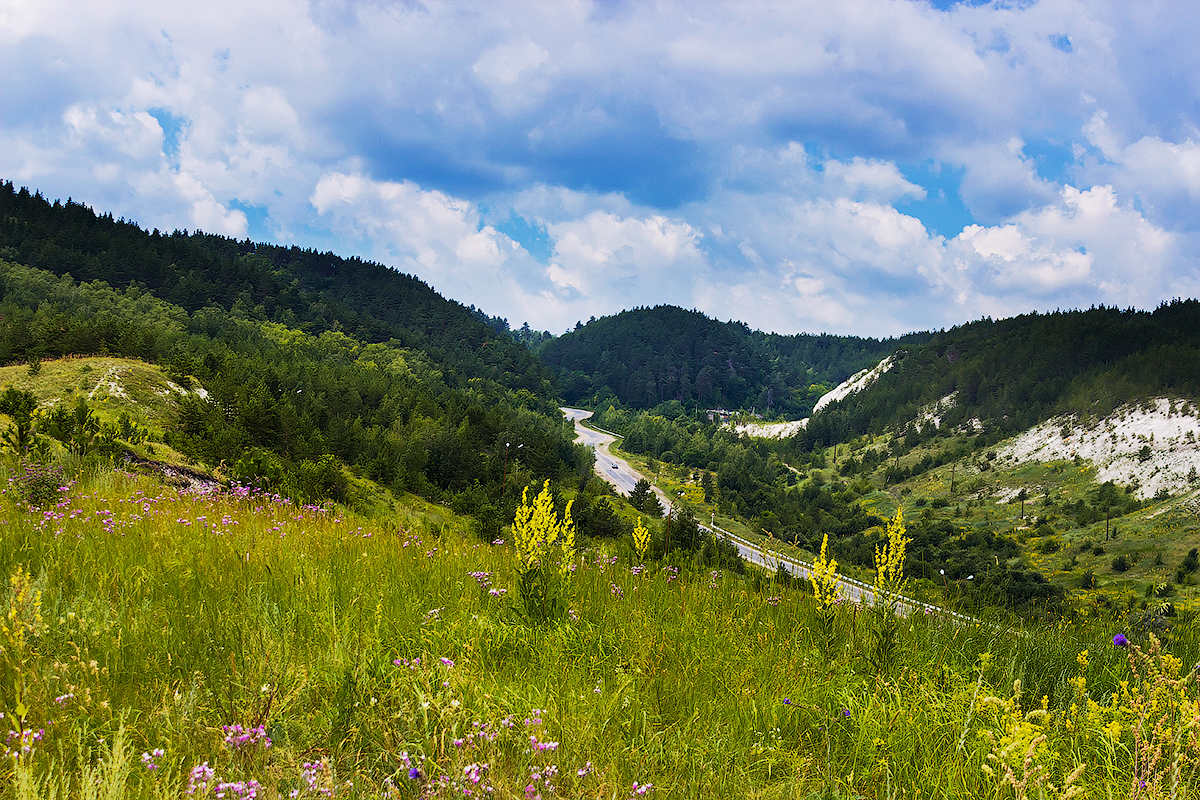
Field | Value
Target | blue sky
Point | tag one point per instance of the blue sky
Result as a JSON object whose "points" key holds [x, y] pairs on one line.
{"points": [[869, 167]]}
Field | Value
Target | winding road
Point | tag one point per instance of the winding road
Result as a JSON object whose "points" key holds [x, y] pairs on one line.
{"points": [[623, 477], [616, 471]]}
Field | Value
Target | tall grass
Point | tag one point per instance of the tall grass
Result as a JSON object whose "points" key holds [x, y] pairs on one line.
{"points": [[390, 658]]}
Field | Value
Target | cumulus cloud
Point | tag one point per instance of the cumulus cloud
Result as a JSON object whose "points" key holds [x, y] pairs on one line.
{"points": [[425, 232], [780, 164]]}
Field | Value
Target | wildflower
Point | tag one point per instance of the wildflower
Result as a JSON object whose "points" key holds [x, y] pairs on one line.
{"points": [[787, 701], [641, 540], [199, 778], [446, 662], [148, 759], [845, 712], [889, 559], [414, 774], [824, 578], [1120, 641]]}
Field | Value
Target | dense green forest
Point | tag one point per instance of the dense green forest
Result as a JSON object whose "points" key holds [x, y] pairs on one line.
{"points": [[308, 362], [303, 289], [1005, 376], [647, 356], [282, 407]]}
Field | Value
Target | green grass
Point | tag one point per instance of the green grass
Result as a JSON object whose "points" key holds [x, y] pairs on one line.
{"points": [[155, 618], [112, 386]]}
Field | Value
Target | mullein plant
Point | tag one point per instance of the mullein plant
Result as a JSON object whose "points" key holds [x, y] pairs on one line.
{"points": [[889, 584], [641, 541], [545, 556], [824, 579]]}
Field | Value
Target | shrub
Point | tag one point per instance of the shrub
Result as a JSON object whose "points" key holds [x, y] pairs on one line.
{"points": [[1049, 545], [40, 485], [1120, 563]]}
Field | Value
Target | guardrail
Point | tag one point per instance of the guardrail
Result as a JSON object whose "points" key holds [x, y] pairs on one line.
{"points": [[806, 568], [587, 424]]}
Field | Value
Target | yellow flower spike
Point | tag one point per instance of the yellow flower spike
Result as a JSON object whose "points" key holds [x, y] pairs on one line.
{"points": [[889, 558], [1082, 659], [824, 578], [641, 540]]}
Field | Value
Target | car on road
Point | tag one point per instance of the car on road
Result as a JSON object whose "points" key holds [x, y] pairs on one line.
{"points": [[614, 466]]}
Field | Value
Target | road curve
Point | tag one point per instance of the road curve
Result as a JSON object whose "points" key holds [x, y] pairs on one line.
{"points": [[623, 477], [613, 469]]}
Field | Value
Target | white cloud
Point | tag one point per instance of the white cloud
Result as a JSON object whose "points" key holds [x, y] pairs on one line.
{"points": [[602, 251], [871, 179], [426, 232], [564, 113]]}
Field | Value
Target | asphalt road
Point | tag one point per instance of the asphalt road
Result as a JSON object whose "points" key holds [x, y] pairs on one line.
{"points": [[616, 471], [622, 476]]}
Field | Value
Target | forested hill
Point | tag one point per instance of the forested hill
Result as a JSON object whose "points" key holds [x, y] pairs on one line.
{"points": [[1005, 376], [301, 372], [649, 356], [302, 289]]}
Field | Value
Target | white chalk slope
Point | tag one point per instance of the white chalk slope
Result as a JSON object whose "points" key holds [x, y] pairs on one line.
{"points": [[1156, 444], [855, 383]]}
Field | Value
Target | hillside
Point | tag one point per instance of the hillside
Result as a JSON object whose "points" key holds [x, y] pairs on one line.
{"points": [[313, 416], [1002, 377], [247, 646], [304, 289], [648, 356]]}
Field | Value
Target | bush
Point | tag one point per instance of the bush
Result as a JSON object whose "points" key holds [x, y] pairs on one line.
{"points": [[1120, 563], [1049, 545], [40, 485]]}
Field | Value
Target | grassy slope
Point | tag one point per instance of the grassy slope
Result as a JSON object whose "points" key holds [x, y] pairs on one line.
{"points": [[985, 498], [111, 386], [179, 613]]}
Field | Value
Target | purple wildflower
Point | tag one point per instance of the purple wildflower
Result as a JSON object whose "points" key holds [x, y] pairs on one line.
{"points": [[1120, 641]]}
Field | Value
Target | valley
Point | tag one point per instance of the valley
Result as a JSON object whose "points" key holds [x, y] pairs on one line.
{"points": [[253, 501]]}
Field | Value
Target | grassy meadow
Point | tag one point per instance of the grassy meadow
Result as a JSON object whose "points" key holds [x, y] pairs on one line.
{"points": [[160, 642]]}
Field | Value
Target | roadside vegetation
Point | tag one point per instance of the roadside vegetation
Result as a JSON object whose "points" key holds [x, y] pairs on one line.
{"points": [[1039, 539], [162, 642]]}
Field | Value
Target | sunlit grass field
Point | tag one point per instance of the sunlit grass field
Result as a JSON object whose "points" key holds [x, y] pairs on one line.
{"points": [[166, 643]]}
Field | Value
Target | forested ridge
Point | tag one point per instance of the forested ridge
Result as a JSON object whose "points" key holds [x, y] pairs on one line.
{"points": [[1001, 377], [307, 362], [304, 289], [647, 356]]}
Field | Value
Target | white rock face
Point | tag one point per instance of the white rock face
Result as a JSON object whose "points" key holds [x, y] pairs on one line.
{"points": [[855, 383], [771, 430], [1151, 444], [932, 414]]}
